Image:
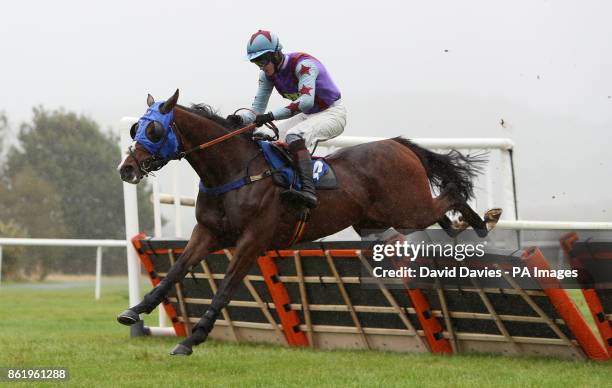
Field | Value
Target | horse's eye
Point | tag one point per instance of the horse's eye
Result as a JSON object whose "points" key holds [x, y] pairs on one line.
{"points": [[155, 131], [133, 130]]}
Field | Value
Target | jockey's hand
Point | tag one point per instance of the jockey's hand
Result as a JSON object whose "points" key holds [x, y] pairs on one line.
{"points": [[235, 120], [263, 134], [264, 118]]}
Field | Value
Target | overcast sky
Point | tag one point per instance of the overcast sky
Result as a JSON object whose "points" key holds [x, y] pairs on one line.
{"points": [[416, 68]]}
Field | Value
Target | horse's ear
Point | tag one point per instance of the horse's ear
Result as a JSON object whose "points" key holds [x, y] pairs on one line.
{"points": [[150, 100], [170, 103]]}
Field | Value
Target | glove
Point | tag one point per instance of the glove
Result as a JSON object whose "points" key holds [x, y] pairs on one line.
{"points": [[235, 120], [263, 134], [264, 118]]}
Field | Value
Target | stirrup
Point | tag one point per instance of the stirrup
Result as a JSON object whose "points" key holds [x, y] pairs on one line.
{"points": [[291, 195]]}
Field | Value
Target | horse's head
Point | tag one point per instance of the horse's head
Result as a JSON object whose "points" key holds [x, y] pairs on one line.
{"points": [[155, 141]]}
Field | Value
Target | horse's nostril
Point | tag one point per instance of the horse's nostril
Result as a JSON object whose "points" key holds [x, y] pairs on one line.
{"points": [[126, 172]]}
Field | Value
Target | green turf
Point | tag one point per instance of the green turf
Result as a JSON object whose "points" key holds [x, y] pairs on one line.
{"points": [[68, 328]]}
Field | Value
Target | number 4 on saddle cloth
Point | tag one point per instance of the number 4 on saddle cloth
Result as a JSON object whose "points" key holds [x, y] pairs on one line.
{"points": [[282, 172], [284, 175]]}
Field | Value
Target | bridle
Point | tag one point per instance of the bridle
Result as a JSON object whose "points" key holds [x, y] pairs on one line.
{"points": [[156, 161]]}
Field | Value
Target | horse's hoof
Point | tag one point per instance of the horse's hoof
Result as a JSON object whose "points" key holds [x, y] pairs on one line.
{"points": [[181, 350], [491, 217], [128, 318]]}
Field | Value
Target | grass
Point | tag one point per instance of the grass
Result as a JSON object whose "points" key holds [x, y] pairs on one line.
{"points": [[68, 328]]}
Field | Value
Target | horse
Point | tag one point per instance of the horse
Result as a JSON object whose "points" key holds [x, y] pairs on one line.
{"points": [[381, 184]]}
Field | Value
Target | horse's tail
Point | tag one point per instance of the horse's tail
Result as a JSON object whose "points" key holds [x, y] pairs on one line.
{"points": [[451, 168]]}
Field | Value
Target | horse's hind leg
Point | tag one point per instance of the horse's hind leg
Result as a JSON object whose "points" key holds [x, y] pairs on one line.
{"points": [[449, 200], [445, 202], [481, 226], [451, 228], [431, 213]]}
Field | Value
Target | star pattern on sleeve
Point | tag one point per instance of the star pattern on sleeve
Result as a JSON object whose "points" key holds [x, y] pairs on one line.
{"points": [[304, 70], [305, 90], [294, 107]]}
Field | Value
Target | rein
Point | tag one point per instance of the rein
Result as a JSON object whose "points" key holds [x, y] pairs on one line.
{"points": [[220, 139]]}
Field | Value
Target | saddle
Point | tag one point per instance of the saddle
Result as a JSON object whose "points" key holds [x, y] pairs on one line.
{"points": [[283, 174]]}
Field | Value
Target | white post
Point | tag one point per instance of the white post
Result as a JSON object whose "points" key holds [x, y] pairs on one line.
{"points": [[98, 271], [490, 187], [157, 225], [178, 230], [196, 181], [163, 317], [508, 184], [157, 232], [0, 264], [130, 203]]}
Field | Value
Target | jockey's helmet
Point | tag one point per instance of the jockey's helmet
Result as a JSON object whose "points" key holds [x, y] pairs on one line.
{"points": [[262, 42]]}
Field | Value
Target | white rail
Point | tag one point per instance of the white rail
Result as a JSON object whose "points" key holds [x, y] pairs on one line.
{"points": [[59, 242], [169, 199], [442, 143], [553, 225]]}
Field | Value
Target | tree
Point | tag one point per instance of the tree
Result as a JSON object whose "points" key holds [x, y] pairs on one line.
{"points": [[4, 129], [11, 255], [78, 163], [34, 205]]}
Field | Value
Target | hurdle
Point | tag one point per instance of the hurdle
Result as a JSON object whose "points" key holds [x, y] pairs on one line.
{"points": [[321, 297]]}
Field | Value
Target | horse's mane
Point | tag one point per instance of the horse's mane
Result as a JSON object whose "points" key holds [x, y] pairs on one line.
{"points": [[210, 113]]}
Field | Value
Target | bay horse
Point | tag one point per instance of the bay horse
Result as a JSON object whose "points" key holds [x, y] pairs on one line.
{"points": [[381, 184]]}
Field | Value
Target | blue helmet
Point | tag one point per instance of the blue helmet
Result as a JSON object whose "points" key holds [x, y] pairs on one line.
{"points": [[262, 42]]}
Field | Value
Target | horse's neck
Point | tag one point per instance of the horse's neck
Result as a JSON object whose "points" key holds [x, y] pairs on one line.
{"points": [[219, 163]]}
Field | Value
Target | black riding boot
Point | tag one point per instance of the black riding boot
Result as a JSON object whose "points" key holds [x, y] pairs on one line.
{"points": [[303, 165]]}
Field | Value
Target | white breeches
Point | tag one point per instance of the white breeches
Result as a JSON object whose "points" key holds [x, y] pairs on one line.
{"points": [[315, 127]]}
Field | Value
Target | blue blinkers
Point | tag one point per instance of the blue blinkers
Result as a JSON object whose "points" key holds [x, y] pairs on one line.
{"points": [[168, 145]]}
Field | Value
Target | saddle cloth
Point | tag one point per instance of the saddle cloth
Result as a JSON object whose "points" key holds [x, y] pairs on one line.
{"points": [[284, 174]]}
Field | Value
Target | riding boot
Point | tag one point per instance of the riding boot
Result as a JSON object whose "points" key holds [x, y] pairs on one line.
{"points": [[303, 165]]}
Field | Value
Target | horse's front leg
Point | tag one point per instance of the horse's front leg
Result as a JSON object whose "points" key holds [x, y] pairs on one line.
{"points": [[201, 243], [249, 247]]}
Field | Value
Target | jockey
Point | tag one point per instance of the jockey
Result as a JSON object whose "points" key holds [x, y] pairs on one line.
{"points": [[315, 113]]}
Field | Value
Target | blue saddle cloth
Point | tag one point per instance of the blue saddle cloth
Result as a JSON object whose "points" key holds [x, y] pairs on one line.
{"points": [[283, 170]]}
